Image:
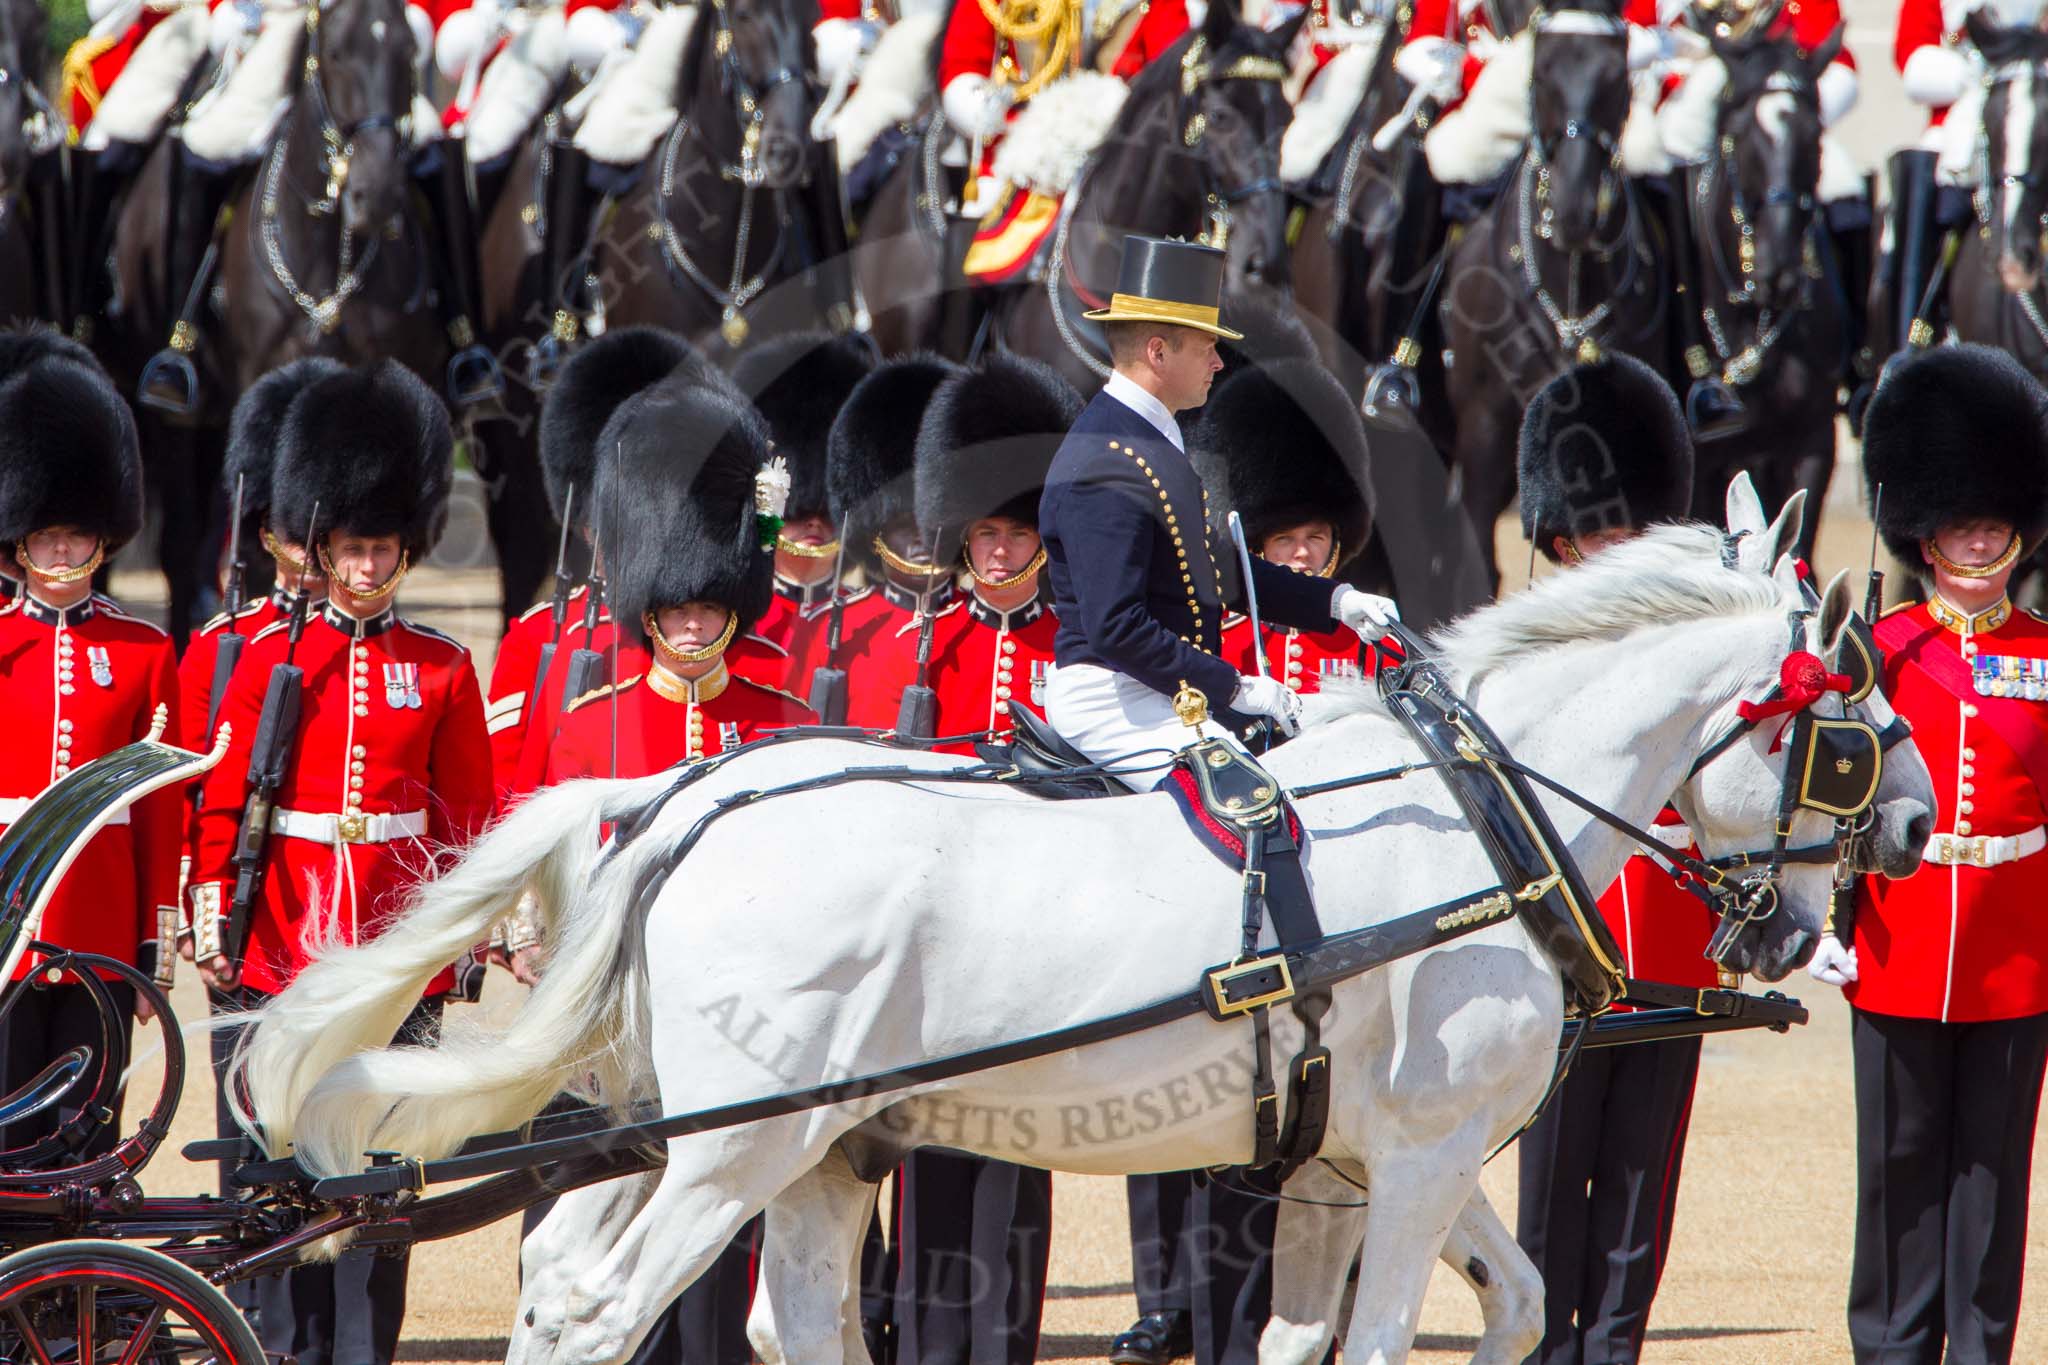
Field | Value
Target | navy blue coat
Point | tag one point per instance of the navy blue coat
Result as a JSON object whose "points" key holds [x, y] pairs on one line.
{"points": [[1132, 560]]}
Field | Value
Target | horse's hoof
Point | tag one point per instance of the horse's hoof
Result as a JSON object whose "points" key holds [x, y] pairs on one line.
{"points": [[1713, 411], [474, 376], [1155, 1339], [169, 385]]}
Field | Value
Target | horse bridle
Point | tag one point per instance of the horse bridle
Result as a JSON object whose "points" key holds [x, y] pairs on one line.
{"points": [[750, 101], [1196, 74], [337, 137]]}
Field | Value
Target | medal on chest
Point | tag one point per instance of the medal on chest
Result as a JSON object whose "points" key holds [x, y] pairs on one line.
{"points": [[1039, 671], [728, 735], [2010, 675], [1335, 667], [101, 664], [402, 687]]}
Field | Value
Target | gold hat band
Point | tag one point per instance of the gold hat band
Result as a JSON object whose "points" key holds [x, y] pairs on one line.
{"points": [[1136, 308]]}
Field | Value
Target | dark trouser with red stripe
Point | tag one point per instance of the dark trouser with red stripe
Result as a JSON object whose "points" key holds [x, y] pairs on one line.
{"points": [[1159, 1261], [707, 1324], [1944, 1151], [972, 1246], [1599, 1179]]}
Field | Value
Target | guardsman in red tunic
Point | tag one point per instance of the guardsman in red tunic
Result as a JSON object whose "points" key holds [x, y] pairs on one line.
{"points": [[389, 766], [1947, 970], [680, 503], [1283, 447], [973, 1234], [1605, 452], [871, 481], [800, 381], [80, 678]]}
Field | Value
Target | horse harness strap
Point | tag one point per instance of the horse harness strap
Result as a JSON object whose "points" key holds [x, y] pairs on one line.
{"points": [[1237, 794]]}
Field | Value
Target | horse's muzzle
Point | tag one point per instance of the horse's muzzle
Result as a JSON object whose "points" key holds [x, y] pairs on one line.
{"points": [[1903, 827]]}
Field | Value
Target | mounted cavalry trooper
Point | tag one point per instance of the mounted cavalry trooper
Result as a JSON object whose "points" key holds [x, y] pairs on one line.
{"points": [[676, 504], [973, 1234], [387, 765], [82, 679], [1605, 452], [1283, 446], [1136, 582], [800, 381], [1950, 1022]]}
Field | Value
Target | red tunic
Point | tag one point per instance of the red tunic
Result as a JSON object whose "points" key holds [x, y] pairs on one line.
{"points": [[1920, 24], [79, 684], [879, 646], [539, 731], [508, 699], [662, 720], [799, 620], [986, 662], [1300, 658], [1661, 928], [404, 741], [971, 46], [93, 65], [1961, 943], [195, 670]]}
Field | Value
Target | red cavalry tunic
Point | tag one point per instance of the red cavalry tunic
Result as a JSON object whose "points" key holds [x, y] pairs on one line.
{"points": [[1962, 943], [93, 65], [972, 48], [662, 720], [391, 728], [1300, 658], [986, 663], [1920, 24], [78, 684]]}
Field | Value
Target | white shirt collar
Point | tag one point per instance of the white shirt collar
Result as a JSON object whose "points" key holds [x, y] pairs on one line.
{"points": [[1127, 392]]}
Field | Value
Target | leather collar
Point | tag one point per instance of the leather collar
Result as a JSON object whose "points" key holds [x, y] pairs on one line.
{"points": [[357, 629], [1014, 619], [36, 609], [805, 594], [903, 599], [1962, 623], [681, 690]]}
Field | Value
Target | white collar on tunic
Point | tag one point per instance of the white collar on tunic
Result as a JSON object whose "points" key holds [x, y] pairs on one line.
{"points": [[1127, 392]]}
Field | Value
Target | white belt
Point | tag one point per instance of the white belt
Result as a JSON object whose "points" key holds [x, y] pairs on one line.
{"points": [[1985, 850], [12, 808], [322, 828]]}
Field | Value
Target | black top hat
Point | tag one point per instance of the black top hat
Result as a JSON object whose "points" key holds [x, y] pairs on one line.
{"points": [[1167, 281]]}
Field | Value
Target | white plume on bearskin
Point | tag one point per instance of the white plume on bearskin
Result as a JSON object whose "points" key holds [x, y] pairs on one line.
{"points": [[139, 103], [373, 447], [516, 88], [894, 84], [986, 443], [636, 103], [1326, 108], [1054, 134], [1957, 433], [69, 455]]}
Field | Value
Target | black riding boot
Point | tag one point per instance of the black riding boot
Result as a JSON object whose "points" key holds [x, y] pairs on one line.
{"points": [[95, 184], [50, 207], [473, 373], [1392, 390], [1852, 232], [1712, 408], [1915, 249], [199, 190], [563, 246]]}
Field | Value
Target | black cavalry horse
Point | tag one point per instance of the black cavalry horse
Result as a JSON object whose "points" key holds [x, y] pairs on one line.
{"points": [[732, 230], [1995, 293], [31, 171], [324, 253], [1560, 268], [1773, 308]]}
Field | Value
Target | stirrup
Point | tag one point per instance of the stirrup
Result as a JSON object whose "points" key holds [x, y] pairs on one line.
{"points": [[474, 376], [170, 382], [1391, 391], [545, 358], [1713, 410]]}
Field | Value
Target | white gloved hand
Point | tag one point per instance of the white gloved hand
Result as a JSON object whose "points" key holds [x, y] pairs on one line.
{"points": [[977, 106], [1832, 964], [841, 44], [1435, 66], [1257, 696], [1365, 613]]}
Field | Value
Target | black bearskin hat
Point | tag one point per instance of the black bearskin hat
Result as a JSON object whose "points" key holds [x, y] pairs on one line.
{"points": [[1603, 446], [985, 445], [1954, 434], [602, 374], [253, 437], [871, 472], [1283, 444], [1272, 329], [69, 455], [674, 507], [800, 381], [372, 445]]}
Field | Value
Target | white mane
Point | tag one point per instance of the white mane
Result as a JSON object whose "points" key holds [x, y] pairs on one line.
{"points": [[1665, 575]]}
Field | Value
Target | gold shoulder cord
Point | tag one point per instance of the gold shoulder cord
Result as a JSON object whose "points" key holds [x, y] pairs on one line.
{"points": [[1053, 26]]}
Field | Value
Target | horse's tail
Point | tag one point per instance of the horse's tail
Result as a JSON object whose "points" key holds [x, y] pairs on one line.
{"points": [[315, 1071]]}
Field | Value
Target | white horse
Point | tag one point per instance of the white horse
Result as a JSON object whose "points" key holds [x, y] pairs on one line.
{"points": [[856, 928]]}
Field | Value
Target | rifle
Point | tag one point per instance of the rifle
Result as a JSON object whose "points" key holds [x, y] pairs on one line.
{"points": [[559, 607], [828, 680], [228, 649], [586, 665], [918, 715], [1873, 592], [277, 732]]}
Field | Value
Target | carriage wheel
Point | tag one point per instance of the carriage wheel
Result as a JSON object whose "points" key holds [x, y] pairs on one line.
{"points": [[73, 1303]]}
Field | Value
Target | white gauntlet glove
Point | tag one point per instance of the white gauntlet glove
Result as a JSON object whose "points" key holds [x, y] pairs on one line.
{"points": [[1268, 697], [1832, 964], [977, 106], [1363, 612]]}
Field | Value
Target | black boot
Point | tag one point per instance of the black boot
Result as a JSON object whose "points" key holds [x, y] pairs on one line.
{"points": [[1712, 408], [1915, 249], [95, 184], [1851, 230], [1392, 390], [566, 235], [1155, 1339], [199, 190], [473, 373], [50, 207]]}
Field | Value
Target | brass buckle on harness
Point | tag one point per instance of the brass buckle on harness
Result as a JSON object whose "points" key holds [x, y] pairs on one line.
{"points": [[1264, 980]]}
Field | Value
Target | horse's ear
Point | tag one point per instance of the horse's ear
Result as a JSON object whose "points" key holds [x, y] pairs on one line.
{"points": [[1282, 38], [1784, 532], [1785, 573], [1986, 34], [1745, 508], [1219, 21], [1836, 606], [1830, 48]]}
